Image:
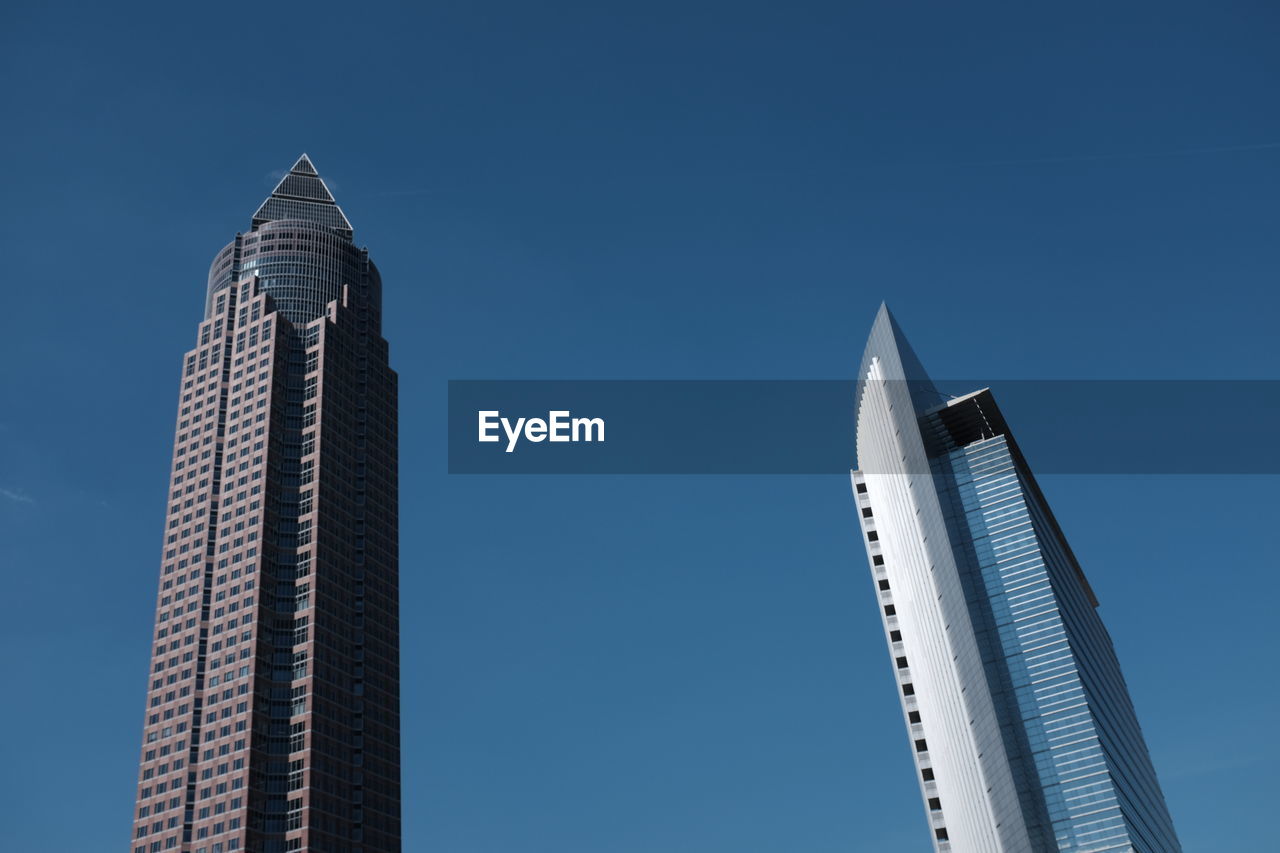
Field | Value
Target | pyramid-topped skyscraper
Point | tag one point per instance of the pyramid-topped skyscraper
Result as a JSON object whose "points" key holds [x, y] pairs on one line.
{"points": [[272, 718]]}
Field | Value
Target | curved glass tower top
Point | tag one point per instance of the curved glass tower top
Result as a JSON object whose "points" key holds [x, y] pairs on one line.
{"points": [[300, 247]]}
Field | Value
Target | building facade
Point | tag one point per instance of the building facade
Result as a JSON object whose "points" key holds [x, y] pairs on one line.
{"points": [[1023, 732], [273, 713]]}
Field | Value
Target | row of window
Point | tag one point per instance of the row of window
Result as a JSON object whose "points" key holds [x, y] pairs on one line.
{"points": [[900, 662]]}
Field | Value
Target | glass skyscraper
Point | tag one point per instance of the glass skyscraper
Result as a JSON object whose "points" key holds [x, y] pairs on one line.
{"points": [[272, 717], [1019, 719]]}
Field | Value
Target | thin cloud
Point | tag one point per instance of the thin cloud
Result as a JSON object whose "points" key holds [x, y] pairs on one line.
{"points": [[18, 496], [1135, 155], [1206, 765]]}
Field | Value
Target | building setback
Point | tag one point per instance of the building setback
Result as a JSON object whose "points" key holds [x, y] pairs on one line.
{"points": [[273, 714], [1024, 736]]}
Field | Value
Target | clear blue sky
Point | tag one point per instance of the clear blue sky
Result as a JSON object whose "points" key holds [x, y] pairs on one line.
{"points": [[658, 190]]}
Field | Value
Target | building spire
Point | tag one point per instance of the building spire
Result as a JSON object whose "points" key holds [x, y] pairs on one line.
{"points": [[303, 195], [888, 345]]}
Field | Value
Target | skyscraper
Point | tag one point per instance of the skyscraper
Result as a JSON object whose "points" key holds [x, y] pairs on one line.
{"points": [[272, 715], [1024, 736]]}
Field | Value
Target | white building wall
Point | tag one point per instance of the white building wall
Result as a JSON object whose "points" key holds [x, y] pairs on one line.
{"points": [[979, 806]]}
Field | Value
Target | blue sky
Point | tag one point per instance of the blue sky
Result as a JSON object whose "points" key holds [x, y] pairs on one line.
{"points": [[636, 664]]}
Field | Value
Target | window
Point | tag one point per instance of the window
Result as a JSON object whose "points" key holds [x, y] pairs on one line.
{"points": [[908, 689], [861, 488], [889, 610], [927, 774], [895, 636], [922, 745], [872, 536], [914, 716], [941, 833], [866, 512], [883, 583], [935, 804], [901, 662]]}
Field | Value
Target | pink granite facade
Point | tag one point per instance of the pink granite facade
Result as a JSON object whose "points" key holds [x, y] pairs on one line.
{"points": [[272, 712]]}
